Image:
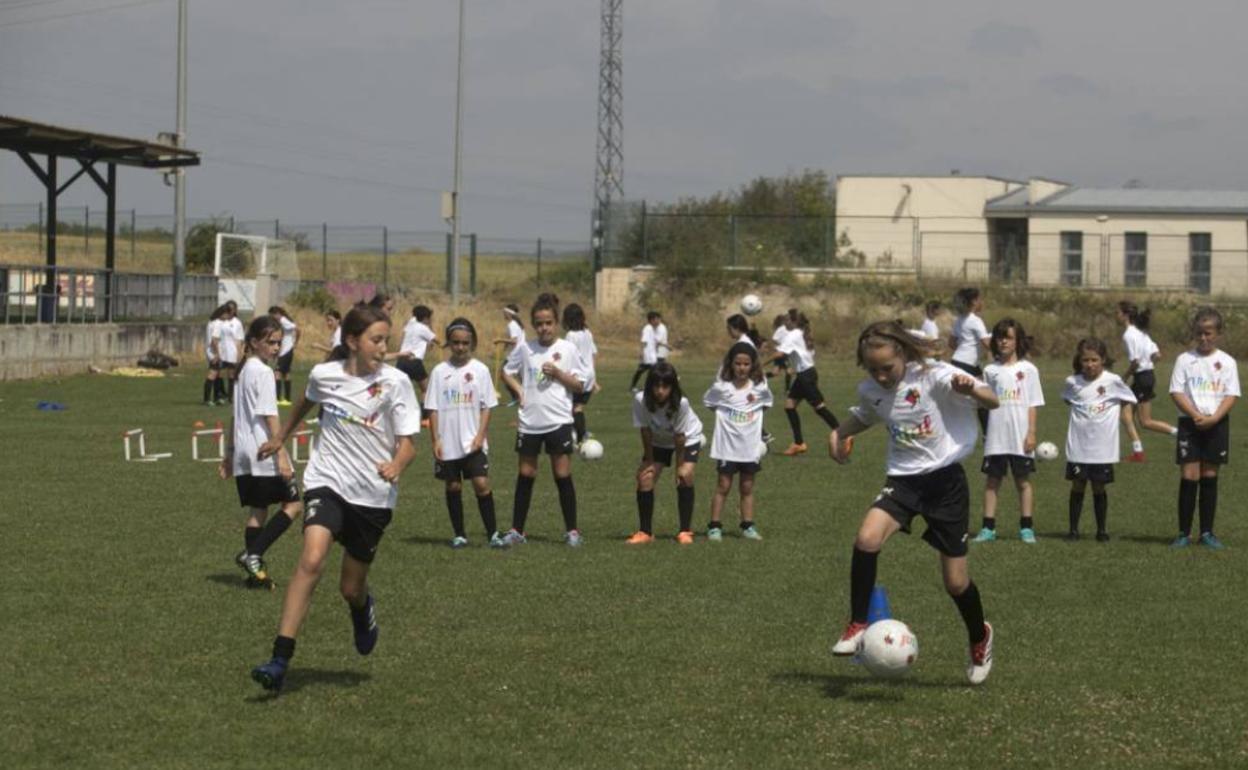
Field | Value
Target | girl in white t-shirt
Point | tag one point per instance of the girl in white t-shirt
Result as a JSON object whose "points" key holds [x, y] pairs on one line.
{"points": [[741, 330], [1096, 396], [1010, 441], [1204, 386], [260, 483], [286, 355], [778, 332], [970, 337], [576, 332], [214, 385], [369, 416], [928, 409], [232, 334], [1142, 355], [546, 372], [929, 327], [654, 346], [504, 345], [417, 337], [458, 401], [671, 433], [738, 397], [798, 348], [333, 324]]}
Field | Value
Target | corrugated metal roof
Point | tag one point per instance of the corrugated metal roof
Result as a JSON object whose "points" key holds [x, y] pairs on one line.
{"points": [[23, 135], [1140, 200]]}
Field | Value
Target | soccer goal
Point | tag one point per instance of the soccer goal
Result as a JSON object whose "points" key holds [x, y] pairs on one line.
{"points": [[242, 259]]}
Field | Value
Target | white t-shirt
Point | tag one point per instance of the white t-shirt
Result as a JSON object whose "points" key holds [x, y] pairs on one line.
{"points": [[930, 329], [1095, 406], [1018, 389], [738, 420], [793, 346], [930, 425], [288, 335], [515, 331], [459, 394], [361, 420], [416, 339], [969, 330], [231, 342], [254, 399], [746, 339], [547, 402], [584, 342], [336, 338], [1205, 380], [212, 332], [1140, 348], [661, 348], [664, 429], [649, 347]]}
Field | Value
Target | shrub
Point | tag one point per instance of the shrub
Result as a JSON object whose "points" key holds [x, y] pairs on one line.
{"points": [[311, 297]]}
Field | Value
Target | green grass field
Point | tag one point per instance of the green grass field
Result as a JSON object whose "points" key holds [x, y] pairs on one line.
{"points": [[128, 635]]}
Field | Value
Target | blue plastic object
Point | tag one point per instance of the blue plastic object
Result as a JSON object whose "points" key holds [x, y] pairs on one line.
{"points": [[878, 609], [50, 406]]}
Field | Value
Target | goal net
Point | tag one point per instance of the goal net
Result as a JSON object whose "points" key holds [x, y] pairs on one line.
{"points": [[241, 260]]}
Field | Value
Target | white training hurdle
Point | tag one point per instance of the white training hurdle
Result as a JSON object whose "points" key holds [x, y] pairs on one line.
{"points": [[219, 432], [142, 456]]}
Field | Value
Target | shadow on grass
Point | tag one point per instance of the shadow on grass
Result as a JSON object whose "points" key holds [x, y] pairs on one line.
{"points": [[863, 688], [1147, 539], [299, 678], [479, 541], [235, 580]]}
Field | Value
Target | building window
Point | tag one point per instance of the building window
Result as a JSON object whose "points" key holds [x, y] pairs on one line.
{"points": [[1137, 259], [1200, 261], [1072, 259]]}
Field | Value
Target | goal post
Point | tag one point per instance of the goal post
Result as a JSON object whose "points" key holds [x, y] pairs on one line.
{"points": [[254, 270]]}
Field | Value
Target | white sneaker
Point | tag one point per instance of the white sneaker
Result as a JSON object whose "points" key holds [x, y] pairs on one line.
{"points": [[497, 541], [850, 639], [573, 538], [751, 533], [981, 658], [459, 542], [514, 537], [715, 534]]}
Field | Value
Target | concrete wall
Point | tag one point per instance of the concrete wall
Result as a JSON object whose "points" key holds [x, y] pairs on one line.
{"points": [[39, 350]]}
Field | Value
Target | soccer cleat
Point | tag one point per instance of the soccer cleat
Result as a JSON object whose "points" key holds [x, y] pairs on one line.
{"points": [[715, 534], [849, 446], [512, 403], [283, 402], [1071, 536], [981, 658], [796, 449], [1027, 535], [985, 535], [1102, 537], [459, 541], [751, 533], [364, 623], [850, 639], [640, 538], [1136, 457], [684, 537], [573, 538], [768, 437], [271, 675], [514, 537], [497, 541], [1208, 540], [210, 403], [253, 565], [1182, 541]]}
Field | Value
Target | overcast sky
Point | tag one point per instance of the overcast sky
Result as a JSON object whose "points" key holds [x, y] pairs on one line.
{"points": [[328, 110]]}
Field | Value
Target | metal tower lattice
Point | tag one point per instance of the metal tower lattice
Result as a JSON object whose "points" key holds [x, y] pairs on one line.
{"points": [[609, 170]]}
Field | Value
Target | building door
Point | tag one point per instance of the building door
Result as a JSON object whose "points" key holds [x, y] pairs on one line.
{"points": [[1008, 247]]}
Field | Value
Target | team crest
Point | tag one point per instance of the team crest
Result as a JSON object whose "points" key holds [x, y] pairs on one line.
{"points": [[467, 376], [1020, 376], [912, 396], [750, 398], [1217, 365], [1100, 391], [374, 390], [555, 357]]}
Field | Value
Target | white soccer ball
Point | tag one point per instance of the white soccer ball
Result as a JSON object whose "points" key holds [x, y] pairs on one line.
{"points": [[762, 449], [751, 304], [889, 648], [1047, 450], [591, 449]]}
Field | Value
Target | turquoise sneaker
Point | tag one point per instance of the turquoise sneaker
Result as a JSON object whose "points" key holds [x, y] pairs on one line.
{"points": [[1027, 535], [1182, 541], [715, 535], [985, 536], [459, 542], [751, 533], [1209, 541]]}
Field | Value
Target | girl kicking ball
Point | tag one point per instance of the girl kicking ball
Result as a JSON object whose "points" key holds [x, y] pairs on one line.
{"points": [[1142, 354], [370, 414], [928, 408], [738, 397], [670, 433], [576, 332]]}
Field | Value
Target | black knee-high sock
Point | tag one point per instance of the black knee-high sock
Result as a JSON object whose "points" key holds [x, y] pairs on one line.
{"points": [[1100, 506], [284, 647], [1208, 503], [578, 424], [485, 504], [229, 389], [277, 385], [218, 389], [209, 387], [277, 524], [455, 507], [286, 387], [645, 511], [861, 581], [982, 414], [641, 369], [567, 502], [684, 507], [1076, 510], [249, 537], [828, 417], [795, 422], [972, 611], [1187, 504], [520, 505]]}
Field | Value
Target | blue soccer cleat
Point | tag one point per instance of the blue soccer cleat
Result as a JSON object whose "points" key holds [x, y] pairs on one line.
{"points": [[364, 623], [271, 675]]}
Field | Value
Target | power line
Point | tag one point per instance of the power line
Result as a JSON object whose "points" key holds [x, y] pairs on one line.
{"points": [[87, 12]]}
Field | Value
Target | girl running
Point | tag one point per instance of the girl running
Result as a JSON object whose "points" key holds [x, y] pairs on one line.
{"points": [[260, 483], [740, 330], [797, 348], [653, 346], [1010, 442], [1142, 354], [370, 416], [928, 408], [1204, 386], [778, 332], [929, 327], [580, 336], [551, 372], [459, 404], [970, 337], [286, 355], [231, 347], [514, 338], [670, 432], [214, 386], [1096, 396], [417, 336], [333, 324], [738, 398]]}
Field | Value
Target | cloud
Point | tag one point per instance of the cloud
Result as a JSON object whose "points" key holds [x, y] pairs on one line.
{"points": [[1146, 125], [998, 40], [1066, 84]]}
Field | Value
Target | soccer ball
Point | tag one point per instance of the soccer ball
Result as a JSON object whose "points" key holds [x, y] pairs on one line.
{"points": [[762, 449], [751, 304], [1047, 451], [889, 648], [591, 449]]}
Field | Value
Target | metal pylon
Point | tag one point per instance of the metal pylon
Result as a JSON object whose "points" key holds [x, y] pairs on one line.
{"points": [[609, 170]]}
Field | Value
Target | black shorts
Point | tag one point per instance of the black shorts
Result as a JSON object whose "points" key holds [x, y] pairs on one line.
{"points": [[1097, 473], [974, 371], [805, 386], [997, 466], [556, 442], [941, 497], [470, 466], [1211, 446], [358, 528], [1143, 385], [582, 398], [663, 455], [732, 467], [215, 365], [414, 368], [284, 362], [228, 368], [263, 491]]}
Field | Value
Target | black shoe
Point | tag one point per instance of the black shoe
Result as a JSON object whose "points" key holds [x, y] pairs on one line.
{"points": [[1071, 536], [1102, 537]]}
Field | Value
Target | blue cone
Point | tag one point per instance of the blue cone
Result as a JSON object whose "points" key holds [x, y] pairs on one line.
{"points": [[878, 609]]}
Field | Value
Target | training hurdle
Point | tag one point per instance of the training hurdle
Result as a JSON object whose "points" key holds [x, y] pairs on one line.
{"points": [[142, 456], [305, 436], [196, 435]]}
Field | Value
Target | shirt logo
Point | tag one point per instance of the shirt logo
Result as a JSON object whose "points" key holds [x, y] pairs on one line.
{"points": [[1100, 390], [750, 399], [555, 357], [912, 396], [374, 390], [1020, 376], [1217, 365], [467, 376]]}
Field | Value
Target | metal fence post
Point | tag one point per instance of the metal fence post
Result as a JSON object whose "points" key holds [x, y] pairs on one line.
{"points": [[40, 229], [732, 246], [277, 230], [133, 236], [324, 251], [539, 260], [385, 255], [448, 263], [86, 229], [472, 264], [645, 248]]}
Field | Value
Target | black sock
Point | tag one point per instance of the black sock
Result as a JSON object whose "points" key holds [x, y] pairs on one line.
{"points": [[1025, 523], [990, 523], [1208, 503], [684, 507], [1076, 510], [972, 611], [209, 387], [520, 505], [982, 414], [250, 535], [277, 524], [578, 424], [455, 507], [229, 390], [277, 384], [641, 369], [1187, 505], [795, 423], [485, 504], [284, 647], [1100, 506], [828, 417], [645, 511], [286, 387], [861, 581], [218, 389], [567, 502]]}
